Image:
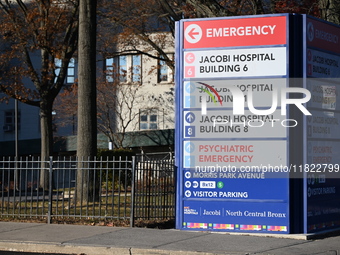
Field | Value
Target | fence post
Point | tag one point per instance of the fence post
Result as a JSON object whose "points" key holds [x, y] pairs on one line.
{"points": [[50, 187], [132, 212]]}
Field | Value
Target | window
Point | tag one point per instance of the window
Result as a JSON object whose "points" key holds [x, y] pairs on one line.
{"points": [[70, 75], [148, 119], [9, 123], [127, 68], [109, 69], [164, 72], [122, 65], [71, 72], [136, 68]]}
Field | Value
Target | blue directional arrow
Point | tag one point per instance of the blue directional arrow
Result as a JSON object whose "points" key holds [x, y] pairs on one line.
{"points": [[189, 147], [189, 87], [190, 117], [189, 101]]}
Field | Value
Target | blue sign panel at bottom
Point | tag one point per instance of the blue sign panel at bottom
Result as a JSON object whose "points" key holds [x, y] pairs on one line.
{"points": [[323, 203], [236, 216], [221, 204]]}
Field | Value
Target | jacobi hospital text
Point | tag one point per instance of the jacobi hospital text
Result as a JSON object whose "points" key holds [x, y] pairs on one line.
{"points": [[239, 105]]}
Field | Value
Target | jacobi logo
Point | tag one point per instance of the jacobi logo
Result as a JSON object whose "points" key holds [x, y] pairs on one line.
{"points": [[209, 90], [239, 100]]}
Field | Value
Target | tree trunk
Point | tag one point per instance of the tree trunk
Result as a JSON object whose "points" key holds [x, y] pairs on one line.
{"points": [[87, 119], [46, 140]]}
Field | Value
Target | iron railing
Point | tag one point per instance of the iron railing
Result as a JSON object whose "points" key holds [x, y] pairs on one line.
{"points": [[154, 196], [64, 188]]}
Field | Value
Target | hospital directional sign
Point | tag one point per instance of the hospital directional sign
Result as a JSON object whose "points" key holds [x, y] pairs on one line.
{"points": [[322, 61], [214, 146]]}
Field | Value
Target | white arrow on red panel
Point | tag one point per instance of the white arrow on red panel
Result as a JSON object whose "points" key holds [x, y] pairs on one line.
{"points": [[193, 33]]}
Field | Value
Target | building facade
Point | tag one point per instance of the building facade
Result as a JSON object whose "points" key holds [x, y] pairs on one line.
{"points": [[135, 99]]}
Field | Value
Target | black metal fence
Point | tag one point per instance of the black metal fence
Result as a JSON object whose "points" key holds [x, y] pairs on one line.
{"points": [[69, 188], [154, 196]]}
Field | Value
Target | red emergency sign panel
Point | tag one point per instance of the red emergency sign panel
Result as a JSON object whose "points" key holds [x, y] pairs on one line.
{"points": [[323, 35], [235, 32]]}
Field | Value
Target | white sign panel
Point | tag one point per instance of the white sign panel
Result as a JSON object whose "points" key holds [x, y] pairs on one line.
{"points": [[323, 152], [223, 124], [324, 94], [323, 124], [254, 62], [216, 93], [321, 64], [234, 153]]}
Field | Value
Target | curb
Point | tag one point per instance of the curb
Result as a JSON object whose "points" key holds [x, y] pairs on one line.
{"points": [[56, 248], [312, 236]]}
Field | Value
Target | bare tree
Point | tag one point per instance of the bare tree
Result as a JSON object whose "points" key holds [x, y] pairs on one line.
{"points": [[117, 110], [36, 34]]}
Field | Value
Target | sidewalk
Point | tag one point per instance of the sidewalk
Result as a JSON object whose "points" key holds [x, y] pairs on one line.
{"points": [[100, 240]]}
